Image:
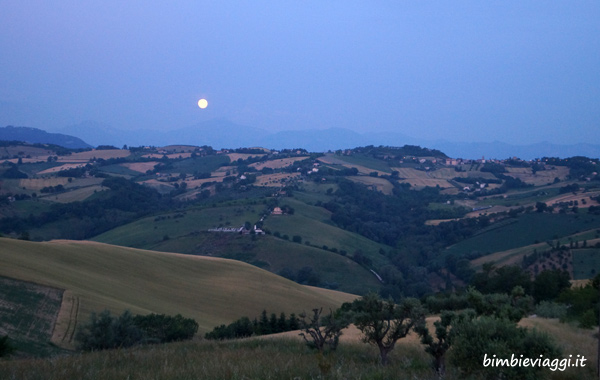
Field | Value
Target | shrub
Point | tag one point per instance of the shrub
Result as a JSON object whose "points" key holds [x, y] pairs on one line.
{"points": [[588, 319], [165, 328], [547, 309], [487, 336], [106, 332]]}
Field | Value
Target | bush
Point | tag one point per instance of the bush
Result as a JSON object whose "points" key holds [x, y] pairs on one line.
{"points": [[588, 320], [487, 336], [165, 328], [107, 332], [547, 309], [243, 327]]}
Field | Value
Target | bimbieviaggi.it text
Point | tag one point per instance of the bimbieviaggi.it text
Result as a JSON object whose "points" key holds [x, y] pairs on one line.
{"points": [[552, 364]]}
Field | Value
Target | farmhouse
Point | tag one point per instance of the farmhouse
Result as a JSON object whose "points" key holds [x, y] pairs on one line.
{"points": [[277, 211]]}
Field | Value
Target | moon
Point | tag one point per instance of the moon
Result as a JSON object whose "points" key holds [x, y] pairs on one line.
{"points": [[202, 103]]}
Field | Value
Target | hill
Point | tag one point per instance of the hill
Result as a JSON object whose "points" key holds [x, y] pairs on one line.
{"points": [[34, 135], [186, 231], [99, 276]]}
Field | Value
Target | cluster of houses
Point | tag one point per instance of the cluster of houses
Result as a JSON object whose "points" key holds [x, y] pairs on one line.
{"points": [[239, 230]]}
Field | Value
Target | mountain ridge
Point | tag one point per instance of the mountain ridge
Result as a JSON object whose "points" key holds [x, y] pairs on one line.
{"points": [[36, 135], [222, 133]]}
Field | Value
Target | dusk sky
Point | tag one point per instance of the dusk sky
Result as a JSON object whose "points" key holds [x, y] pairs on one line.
{"points": [[512, 71]]}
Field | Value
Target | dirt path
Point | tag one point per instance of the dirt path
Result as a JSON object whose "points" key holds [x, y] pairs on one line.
{"points": [[66, 322]]}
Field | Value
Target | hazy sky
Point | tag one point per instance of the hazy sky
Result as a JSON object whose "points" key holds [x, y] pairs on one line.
{"points": [[515, 71]]}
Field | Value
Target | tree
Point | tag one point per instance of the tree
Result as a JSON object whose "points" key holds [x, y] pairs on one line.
{"points": [[443, 337], [383, 323], [105, 332], [549, 284], [323, 331], [512, 307]]}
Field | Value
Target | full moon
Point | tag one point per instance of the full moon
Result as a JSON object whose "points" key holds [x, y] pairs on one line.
{"points": [[202, 103]]}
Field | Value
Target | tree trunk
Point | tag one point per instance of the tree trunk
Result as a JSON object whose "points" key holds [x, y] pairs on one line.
{"points": [[440, 366], [383, 353]]}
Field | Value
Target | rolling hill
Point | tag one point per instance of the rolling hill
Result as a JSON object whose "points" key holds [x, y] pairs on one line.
{"points": [[99, 276]]}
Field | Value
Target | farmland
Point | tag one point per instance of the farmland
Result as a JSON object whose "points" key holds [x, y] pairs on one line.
{"points": [[379, 184], [210, 290], [527, 229], [28, 313], [278, 163], [275, 180], [188, 233]]}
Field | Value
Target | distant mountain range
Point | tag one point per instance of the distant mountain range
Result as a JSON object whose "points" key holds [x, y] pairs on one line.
{"points": [[34, 135], [220, 133]]}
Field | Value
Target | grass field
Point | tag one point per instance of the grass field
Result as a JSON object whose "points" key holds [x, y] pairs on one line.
{"points": [[24, 150], [187, 232], [373, 164], [86, 156], [312, 192], [528, 229], [275, 179], [243, 156], [364, 164], [205, 164], [76, 195], [420, 178], [212, 291], [57, 169], [147, 232], [39, 183], [579, 197], [427, 182], [380, 184], [172, 156], [275, 255], [410, 173], [540, 178], [509, 257], [313, 225], [278, 358], [278, 163], [119, 170]]}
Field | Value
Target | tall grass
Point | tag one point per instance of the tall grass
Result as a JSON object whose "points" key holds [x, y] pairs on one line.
{"points": [[245, 359], [242, 360]]}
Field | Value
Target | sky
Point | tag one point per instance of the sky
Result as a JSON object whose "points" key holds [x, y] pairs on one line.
{"points": [[497, 70]]}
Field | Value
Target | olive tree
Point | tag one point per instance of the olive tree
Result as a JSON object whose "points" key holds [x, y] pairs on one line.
{"points": [[321, 331], [383, 323]]}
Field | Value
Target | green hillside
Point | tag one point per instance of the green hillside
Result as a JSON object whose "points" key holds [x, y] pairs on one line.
{"points": [[525, 230], [211, 290], [187, 232]]}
